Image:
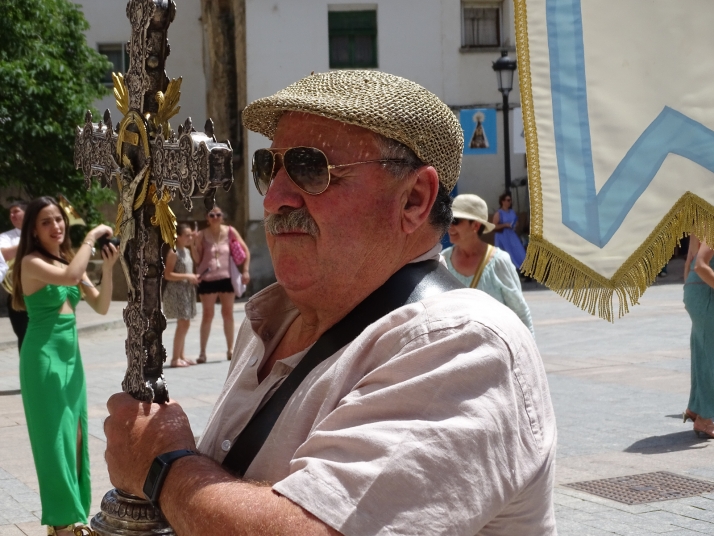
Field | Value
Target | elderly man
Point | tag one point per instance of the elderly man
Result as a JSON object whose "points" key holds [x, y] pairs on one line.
{"points": [[369, 393]]}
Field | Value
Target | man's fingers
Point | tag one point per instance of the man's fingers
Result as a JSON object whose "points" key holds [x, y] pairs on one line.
{"points": [[119, 401]]}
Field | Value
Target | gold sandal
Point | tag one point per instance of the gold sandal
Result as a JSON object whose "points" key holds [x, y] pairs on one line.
{"points": [[77, 530], [52, 531]]}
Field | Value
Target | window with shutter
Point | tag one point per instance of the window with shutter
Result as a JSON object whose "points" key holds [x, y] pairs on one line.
{"points": [[353, 39], [481, 25], [118, 55]]}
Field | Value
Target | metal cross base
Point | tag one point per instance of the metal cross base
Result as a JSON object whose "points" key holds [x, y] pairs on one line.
{"points": [[129, 516]]}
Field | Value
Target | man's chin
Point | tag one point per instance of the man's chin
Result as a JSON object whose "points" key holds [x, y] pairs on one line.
{"points": [[294, 282]]}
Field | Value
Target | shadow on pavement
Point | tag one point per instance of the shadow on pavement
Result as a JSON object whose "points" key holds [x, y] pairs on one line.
{"points": [[667, 443]]}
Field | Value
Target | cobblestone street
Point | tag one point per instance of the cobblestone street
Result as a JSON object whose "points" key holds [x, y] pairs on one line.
{"points": [[618, 390]]}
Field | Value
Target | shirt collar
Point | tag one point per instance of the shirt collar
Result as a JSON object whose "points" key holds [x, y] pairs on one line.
{"points": [[270, 311]]}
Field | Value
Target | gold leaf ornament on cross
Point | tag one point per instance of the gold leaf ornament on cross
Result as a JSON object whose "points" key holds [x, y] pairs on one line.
{"points": [[153, 123], [168, 106]]}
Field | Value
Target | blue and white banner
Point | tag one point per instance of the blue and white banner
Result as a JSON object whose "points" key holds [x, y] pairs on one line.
{"points": [[618, 112]]}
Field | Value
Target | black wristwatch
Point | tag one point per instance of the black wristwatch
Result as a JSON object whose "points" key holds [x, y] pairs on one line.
{"points": [[158, 471]]}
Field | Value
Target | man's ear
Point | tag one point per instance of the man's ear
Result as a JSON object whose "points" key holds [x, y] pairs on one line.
{"points": [[419, 198]]}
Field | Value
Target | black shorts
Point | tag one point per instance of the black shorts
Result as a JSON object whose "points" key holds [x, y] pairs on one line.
{"points": [[215, 287]]}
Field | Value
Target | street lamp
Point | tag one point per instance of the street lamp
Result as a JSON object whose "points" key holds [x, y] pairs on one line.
{"points": [[505, 67]]}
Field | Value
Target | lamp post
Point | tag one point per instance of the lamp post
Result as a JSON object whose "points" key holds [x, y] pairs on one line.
{"points": [[505, 67]]}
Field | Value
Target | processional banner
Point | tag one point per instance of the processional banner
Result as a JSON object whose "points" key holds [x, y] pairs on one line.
{"points": [[618, 112]]}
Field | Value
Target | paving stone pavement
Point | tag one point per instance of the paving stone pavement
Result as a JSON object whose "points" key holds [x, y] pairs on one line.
{"points": [[618, 390]]}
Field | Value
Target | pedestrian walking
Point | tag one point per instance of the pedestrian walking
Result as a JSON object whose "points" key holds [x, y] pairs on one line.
{"points": [[179, 296], [46, 280], [505, 221], [699, 302], [480, 265]]}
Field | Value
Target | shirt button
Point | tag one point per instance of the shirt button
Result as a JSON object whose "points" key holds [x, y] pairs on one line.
{"points": [[253, 361], [226, 445]]}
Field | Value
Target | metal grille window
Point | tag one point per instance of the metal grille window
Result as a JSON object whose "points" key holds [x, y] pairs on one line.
{"points": [[119, 56], [353, 39], [481, 26]]}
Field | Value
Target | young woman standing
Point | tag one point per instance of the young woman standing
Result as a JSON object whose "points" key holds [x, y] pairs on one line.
{"points": [[180, 292], [46, 281], [211, 253]]}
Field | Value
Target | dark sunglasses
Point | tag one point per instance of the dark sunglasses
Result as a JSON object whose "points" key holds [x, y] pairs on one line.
{"points": [[456, 221], [215, 215], [307, 167]]}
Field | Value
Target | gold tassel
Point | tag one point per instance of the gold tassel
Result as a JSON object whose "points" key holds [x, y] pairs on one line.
{"points": [[594, 293], [164, 216]]}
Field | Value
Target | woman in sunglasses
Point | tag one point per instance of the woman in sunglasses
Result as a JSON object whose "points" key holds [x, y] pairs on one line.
{"points": [[480, 265], [213, 256]]}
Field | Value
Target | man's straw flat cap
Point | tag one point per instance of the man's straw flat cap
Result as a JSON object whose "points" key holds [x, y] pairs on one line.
{"points": [[389, 105]]}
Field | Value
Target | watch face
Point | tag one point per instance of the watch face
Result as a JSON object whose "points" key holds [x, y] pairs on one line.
{"points": [[152, 478]]}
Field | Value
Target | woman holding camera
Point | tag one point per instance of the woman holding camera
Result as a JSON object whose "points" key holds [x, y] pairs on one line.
{"points": [[48, 280]]}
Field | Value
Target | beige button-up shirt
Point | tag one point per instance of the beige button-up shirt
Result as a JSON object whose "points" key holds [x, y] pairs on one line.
{"points": [[436, 420]]}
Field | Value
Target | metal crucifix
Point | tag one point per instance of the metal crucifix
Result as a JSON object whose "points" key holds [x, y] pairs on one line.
{"points": [[151, 163]]}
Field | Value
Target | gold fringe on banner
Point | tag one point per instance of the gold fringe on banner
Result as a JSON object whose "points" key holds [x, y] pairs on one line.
{"points": [[164, 216], [566, 275], [594, 293], [529, 124]]}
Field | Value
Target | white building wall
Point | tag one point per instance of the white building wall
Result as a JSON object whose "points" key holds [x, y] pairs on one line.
{"points": [[417, 39], [287, 39], [108, 23]]}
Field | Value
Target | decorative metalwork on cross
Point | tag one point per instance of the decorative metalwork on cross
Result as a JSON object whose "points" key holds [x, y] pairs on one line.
{"points": [[152, 164]]}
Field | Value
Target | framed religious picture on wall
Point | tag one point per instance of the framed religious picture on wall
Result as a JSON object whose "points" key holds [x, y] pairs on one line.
{"points": [[479, 126]]}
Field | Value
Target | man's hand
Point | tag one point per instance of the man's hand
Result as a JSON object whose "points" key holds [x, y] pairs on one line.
{"points": [[136, 433]]}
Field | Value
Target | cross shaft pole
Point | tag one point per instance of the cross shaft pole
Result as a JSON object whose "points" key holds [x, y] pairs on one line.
{"points": [[151, 164]]}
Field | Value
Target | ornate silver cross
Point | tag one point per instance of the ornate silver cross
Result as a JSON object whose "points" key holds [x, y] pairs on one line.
{"points": [[151, 163]]}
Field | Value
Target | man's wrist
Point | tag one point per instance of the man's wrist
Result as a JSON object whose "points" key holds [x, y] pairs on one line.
{"points": [[159, 470]]}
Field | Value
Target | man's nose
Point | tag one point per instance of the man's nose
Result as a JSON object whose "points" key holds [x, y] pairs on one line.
{"points": [[282, 194]]}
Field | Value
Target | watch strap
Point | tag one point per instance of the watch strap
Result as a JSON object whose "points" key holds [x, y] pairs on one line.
{"points": [[158, 471]]}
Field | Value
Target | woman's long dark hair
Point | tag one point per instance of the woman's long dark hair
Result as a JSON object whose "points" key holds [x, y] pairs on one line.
{"points": [[29, 244]]}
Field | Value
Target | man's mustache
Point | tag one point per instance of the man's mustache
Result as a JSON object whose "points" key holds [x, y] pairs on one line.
{"points": [[298, 220]]}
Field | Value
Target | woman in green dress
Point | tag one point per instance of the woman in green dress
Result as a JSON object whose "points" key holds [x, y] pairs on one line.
{"points": [[47, 279], [699, 302]]}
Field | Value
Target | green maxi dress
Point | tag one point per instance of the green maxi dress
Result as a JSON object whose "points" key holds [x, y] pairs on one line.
{"points": [[54, 395], [699, 302]]}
